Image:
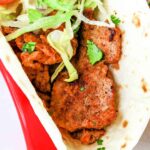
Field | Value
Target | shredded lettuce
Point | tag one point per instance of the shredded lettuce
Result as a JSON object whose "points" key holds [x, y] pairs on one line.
{"points": [[90, 4], [57, 71], [33, 18], [5, 14], [61, 42], [34, 15], [21, 21], [45, 22], [27, 4], [63, 5], [41, 4]]}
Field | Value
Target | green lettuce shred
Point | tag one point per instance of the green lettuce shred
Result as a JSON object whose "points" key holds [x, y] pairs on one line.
{"points": [[90, 4], [34, 15], [45, 22], [61, 42], [63, 5]]}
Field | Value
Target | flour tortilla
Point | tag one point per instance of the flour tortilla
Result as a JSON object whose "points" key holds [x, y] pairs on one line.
{"points": [[133, 78]]}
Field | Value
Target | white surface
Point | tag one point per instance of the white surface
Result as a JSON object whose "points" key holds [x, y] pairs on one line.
{"points": [[11, 136]]}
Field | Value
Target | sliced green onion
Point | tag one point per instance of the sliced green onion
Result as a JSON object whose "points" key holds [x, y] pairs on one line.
{"points": [[61, 42], [115, 20]]}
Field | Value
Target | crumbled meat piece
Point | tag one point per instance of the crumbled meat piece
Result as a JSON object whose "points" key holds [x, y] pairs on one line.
{"points": [[7, 30], [43, 53], [44, 96], [88, 136], [45, 99], [35, 59], [39, 77]]}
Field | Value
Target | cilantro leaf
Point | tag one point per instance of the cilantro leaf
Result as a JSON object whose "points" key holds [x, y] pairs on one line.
{"points": [[100, 142], [34, 15], [115, 20], [29, 47], [101, 148], [94, 53]]}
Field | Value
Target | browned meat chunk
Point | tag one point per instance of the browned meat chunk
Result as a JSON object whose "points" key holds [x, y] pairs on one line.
{"points": [[75, 109], [89, 102], [109, 39]]}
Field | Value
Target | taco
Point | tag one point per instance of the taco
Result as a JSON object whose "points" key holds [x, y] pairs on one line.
{"points": [[83, 65]]}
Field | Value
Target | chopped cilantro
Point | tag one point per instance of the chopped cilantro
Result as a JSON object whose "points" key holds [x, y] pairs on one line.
{"points": [[76, 30], [100, 142], [34, 15], [82, 89], [101, 148], [94, 53], [29, 47], [115, 20]]}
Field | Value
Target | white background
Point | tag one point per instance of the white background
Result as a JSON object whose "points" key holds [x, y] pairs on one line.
{"points": [[11, 136]]}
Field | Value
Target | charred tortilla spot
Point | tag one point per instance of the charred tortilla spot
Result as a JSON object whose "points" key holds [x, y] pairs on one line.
{"points": [[125, 123], [144, 86], [136, 20], [146, 34], [124, 145], [7, 58]]}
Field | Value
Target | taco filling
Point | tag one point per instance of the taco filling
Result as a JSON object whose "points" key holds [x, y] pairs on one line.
{"points": [[66, 51]]}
